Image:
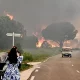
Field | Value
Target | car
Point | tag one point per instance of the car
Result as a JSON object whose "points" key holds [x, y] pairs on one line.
{"points": [[3, 67], [66, 52]]}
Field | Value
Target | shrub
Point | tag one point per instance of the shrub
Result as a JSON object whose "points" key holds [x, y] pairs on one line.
{"points": [[27, 56], [25, 66]]}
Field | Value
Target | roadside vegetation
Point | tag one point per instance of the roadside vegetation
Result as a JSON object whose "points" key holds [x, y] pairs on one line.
{"points": [[25, 66], [37, 55]]}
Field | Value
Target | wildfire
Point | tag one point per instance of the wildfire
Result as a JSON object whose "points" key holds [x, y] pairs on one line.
{"points": [[69, 43], [52, 43], [43, 27], [10, 16], [42, 39], [40, 42]]}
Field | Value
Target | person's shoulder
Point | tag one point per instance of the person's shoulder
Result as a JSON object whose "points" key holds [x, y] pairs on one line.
{"points": [[20, 57]]}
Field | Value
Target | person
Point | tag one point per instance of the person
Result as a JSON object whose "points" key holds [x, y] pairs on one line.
{"points": [[12, 71], [18, 55]]}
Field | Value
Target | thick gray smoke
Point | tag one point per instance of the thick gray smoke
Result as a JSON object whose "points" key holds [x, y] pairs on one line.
{"points": [[35, 13]]}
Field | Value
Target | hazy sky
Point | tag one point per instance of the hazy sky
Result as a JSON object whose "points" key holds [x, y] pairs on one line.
{"points": [[34, 14]]}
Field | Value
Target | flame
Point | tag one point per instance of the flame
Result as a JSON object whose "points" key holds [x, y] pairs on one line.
{"points": [[53, 43], [10, 16], [68, 43], [43, 27], [50, 42], [40, 41], [71, 43]]}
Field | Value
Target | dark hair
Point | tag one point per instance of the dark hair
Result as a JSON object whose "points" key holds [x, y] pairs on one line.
{"points": [[14, 47], [12, 56]]}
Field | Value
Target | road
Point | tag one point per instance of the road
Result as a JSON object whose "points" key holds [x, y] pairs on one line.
{"points": [[58, 68]]}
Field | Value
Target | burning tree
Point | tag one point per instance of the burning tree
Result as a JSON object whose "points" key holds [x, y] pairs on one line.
{"points": [[60, 32], [8, 25]]}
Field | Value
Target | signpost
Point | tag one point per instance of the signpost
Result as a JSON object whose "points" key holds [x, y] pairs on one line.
{"points": [[14, 35]]}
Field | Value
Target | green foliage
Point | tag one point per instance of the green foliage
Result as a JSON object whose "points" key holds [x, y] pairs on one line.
{"points": [[40, 57], [25, 67], [39, 54], [27, 57], [60, 32]]}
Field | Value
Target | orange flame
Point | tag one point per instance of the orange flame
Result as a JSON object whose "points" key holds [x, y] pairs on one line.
{"points": [[10, 16], [69, 43], [43, 27], [52, 43], [40, 41]]}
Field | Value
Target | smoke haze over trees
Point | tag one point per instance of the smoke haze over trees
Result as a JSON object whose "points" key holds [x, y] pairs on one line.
{"points": [[60, 32], [30, 42], [35, 13], [9, 26]]}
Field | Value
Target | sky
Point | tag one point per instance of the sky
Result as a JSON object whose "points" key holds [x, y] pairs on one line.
{"points": [[36, 14]]}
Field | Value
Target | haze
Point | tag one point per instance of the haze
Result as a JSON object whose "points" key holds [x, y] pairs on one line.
{"points": [[34, 14]]}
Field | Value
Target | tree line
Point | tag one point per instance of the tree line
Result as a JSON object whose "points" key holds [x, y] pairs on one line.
{"points": [[9, 26], [58, 32]]}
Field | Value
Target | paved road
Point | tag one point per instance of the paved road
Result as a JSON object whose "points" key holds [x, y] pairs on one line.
{"points": [[58, 68]]}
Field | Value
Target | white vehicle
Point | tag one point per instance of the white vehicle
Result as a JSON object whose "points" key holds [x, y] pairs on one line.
{"points": [[66, 52]]}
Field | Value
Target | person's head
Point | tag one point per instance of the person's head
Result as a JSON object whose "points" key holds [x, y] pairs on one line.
{"points": [[15, 47], [12, 56]]}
